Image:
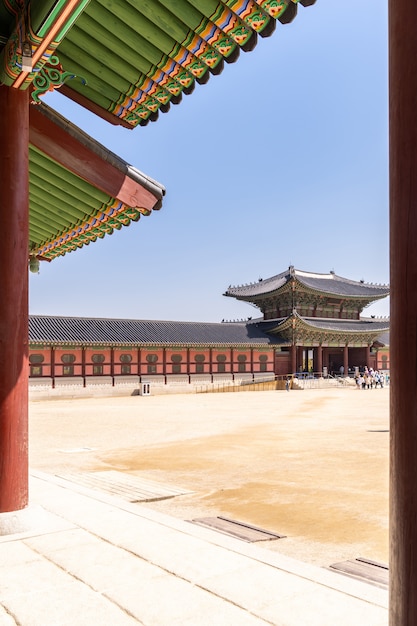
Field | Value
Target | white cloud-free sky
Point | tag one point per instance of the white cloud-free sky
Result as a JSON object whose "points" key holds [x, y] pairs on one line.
{"points": [[281, 160]]}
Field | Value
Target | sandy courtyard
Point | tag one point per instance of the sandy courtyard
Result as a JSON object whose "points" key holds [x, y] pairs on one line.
{"points": [[311, 465]]}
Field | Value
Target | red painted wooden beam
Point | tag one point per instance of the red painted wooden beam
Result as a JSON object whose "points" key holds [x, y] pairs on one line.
{"points": [[74, 150], [94, 108]]}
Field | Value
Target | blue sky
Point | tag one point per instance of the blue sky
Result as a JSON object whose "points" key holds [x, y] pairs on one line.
{"points": [[281, 160]]}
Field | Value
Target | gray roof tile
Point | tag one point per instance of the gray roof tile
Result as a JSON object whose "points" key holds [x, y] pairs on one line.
{"points": [[326, 283], [56, 329], [361, 325]]}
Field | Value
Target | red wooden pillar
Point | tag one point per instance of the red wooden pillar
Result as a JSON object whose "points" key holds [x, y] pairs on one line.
{"points": [[293, 359], [83, 365], [112, 365], [14, 237], [252, 364], [346, 360], [326, 359], [300, 357], [52, 360], [319, 359], [368, 357], [403, 315], [164, 364]]}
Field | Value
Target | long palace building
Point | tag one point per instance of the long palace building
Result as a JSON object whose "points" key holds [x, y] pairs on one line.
{"points": [[310, 322]]}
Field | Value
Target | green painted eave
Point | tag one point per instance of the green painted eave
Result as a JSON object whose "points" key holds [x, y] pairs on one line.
{"points": [[68, 210], [135, 58], [128, 61]]}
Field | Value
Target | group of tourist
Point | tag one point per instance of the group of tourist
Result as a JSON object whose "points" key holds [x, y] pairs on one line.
{"points": [[370, 378]]}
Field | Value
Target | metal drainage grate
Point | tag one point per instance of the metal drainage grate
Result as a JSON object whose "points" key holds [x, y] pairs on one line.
{"points": [[378, 431], [243, 531], [129, 487], [364, 569]]}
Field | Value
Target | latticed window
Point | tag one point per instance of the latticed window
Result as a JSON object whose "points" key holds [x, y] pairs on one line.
{"points": [[199, 359], [68, 358], [97, 367], [36, 358], [35, 367], [176, 360], [241, 367], [221, 363], [68, 368], [152, 359], [263, 362], [125, 358]]}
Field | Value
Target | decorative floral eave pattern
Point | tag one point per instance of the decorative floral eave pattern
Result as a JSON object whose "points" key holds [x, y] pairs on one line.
{"points": [[104, 222]]}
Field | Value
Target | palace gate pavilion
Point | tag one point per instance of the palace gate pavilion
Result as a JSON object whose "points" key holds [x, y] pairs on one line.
{"points": [[311, 322]]}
